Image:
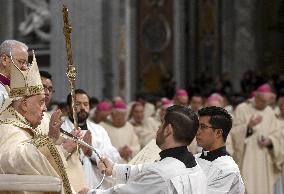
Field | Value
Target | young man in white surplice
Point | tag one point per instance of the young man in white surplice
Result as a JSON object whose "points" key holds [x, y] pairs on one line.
{"points": [[223, 174]]}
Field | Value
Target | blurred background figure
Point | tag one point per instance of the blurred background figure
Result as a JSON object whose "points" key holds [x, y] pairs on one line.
{"points": [[196, 102], [145, 128], [215, 99], [93, 102], [101, 112], [121, 132], [165, 103], [255, 121], [149, 108], [46, 80], [181, 97]]}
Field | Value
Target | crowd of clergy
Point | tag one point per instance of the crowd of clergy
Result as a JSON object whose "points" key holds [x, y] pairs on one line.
{"points": [[256, 140], [233, 148]]}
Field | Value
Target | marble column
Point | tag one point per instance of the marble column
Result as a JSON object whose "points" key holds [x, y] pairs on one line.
{"points": [[191, 42], [86, 20], [245, 54], [178, 36], [6, 20], [131, 54], [228, 35]]}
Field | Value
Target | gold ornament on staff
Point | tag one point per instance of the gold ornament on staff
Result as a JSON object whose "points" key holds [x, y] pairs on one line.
{"points": [[71, 70], [71, 74]]}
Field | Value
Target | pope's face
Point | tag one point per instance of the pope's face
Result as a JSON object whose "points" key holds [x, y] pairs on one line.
{"points": [[82, 107], [35, 106]]}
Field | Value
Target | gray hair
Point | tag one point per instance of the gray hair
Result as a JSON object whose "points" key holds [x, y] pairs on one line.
{"points": [[8, 46], [17, 101]]}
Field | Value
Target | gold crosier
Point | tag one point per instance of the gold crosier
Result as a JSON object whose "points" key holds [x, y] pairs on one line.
{"points": [[71, 70], [71, 74]]}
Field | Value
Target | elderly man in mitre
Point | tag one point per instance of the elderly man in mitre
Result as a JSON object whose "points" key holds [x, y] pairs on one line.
{"points": [[24, 149]]}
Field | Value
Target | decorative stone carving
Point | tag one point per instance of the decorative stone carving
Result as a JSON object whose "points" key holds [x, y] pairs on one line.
{"points": [[37, 20]]}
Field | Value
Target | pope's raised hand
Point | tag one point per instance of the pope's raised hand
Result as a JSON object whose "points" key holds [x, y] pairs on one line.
{"points": [[54, 125], [106, 165]]}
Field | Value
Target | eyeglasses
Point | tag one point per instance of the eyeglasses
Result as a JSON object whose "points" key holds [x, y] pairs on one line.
{"points": [[203, 126], [22, 61]]}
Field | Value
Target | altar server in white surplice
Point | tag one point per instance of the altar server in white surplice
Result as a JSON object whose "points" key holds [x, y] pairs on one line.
{"points": [[94, 134], [176, 171], [223, 174]]}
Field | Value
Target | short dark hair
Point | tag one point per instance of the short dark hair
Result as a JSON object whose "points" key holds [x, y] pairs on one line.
{"points": [[45, 74], [183, 121], [77, 91], [219, 118]]}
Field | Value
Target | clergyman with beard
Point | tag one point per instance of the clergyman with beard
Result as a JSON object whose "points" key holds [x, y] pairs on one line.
{"points": [[92, 134], [176, 172]]}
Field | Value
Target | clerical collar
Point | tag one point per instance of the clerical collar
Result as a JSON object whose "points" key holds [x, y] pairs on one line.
{"points": [[214, 154], [4, 80], [180, 153], [82, 125]]}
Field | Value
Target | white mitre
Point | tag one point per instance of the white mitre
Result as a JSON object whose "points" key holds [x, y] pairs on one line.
{"points": [[23, 83]]}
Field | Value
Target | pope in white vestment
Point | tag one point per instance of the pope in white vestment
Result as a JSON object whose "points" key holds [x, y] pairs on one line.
{"points": [[25, 150], [19, 156]]}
